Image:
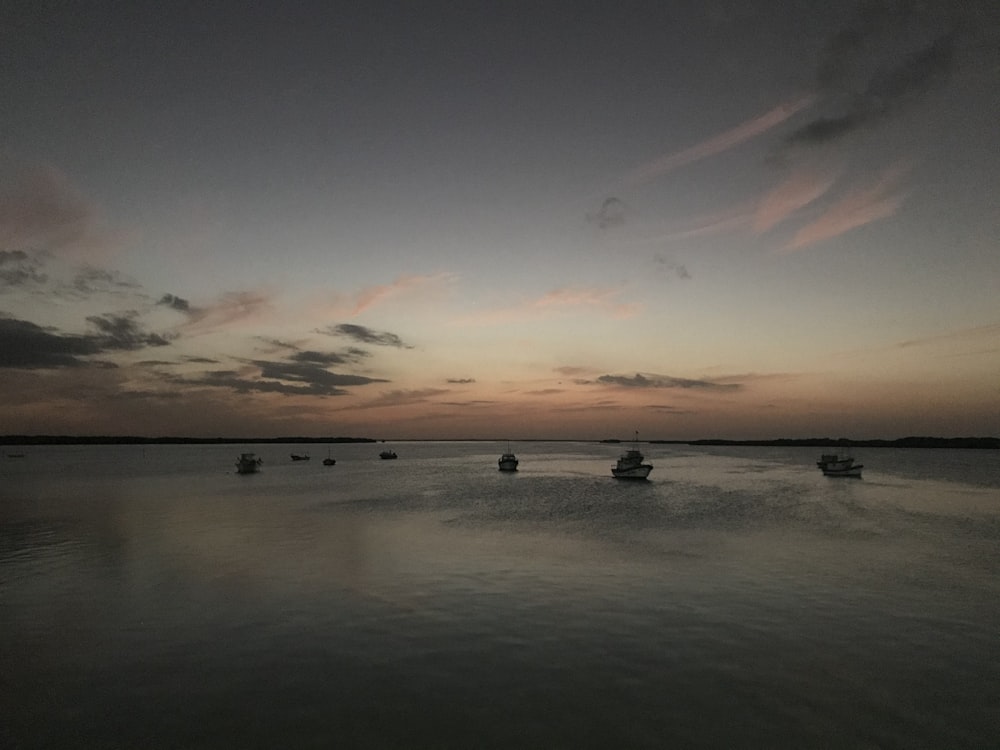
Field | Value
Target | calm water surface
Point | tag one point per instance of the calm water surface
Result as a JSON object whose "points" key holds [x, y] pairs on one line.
{"points": [[150, 597]]}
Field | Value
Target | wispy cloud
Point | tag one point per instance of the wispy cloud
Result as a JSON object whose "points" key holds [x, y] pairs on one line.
{"points": [[640, 380], [862, 69], [401, 398], [989, 332], [18, 269], [374, 296], [856, 209], [717, 144], [44, 213], [460, 381], [799, 189], [231, 308], [570, 299], [366, 335]]}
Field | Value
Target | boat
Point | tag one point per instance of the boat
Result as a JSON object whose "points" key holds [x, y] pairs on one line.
{"points": [[630, 464], [248, 463], [328, 461], [300, 456], [388, 454], [508, 461], [835, 465]]}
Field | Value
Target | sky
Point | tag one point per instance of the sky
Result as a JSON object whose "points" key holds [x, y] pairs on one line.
{"points": [[507, 220]]}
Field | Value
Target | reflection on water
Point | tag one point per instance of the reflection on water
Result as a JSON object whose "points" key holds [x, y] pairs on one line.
{"points": [[156, 599]]}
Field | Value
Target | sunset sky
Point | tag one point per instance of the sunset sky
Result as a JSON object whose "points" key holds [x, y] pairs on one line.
{"points": [[501, 220]]}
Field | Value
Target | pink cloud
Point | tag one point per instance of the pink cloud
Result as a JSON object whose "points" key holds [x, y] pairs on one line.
{"points": [[717, 144], [44, 212], [230, 309], [798, 190], [878, 201], [559, 300], [376, 295]]}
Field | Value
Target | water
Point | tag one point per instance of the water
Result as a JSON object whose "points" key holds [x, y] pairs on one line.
{"points": [[150, 597]]}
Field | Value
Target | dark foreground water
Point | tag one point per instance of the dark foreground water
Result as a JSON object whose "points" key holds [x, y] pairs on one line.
{"points": [[151, 598]]}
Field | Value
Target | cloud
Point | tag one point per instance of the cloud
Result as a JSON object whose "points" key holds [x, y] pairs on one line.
{"points": [[856, 209], [460, 381], [25, 345], [91, 280], [121, 332], [567, 299], [175, 303], [348, 356], [717, 144], [18, 269], [677, 269], [798, 190], [664, 381], [863, 67], [43, 213], [230, 309], [610, 214], [377, 295], [286, 378], [989, 332], [402, 398], [366, 335]]}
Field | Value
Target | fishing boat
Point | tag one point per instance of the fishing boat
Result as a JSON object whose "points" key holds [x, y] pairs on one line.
{"points": [[248, 463], [835, 465], [300, 456], [508, 461], [388, 455], [630, 464]]}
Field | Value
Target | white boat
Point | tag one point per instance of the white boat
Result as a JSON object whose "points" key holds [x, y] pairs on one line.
{"points": [[835, 465], [508, 461], [630, 464], [248, 463]]}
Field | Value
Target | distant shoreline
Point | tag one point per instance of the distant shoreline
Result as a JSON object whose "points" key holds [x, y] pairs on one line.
{"points": [[907, 442]]}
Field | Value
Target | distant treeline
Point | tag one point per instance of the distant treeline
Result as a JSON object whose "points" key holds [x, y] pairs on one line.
{"points": [[907, 442], [131, 440]]}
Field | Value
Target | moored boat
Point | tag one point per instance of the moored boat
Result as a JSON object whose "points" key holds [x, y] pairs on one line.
{"points": [[835, 465], [300, 456], [328, 461], [248, 463], [630, 464], [388, 455], [508, 461]]}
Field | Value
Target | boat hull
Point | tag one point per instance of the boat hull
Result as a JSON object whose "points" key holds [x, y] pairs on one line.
{"points": [[848, 471], [632, 472], [509, 464]]}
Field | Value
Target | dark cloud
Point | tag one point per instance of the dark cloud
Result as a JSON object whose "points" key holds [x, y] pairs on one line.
{"points": [[348, 356], [90, 280], [121, 332], [886, 55], [460, 381], [311, 375], [610, 214], [366, 335], [175, 303], [17, 269], [677, 269], [663, 381], [25, 345]]}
